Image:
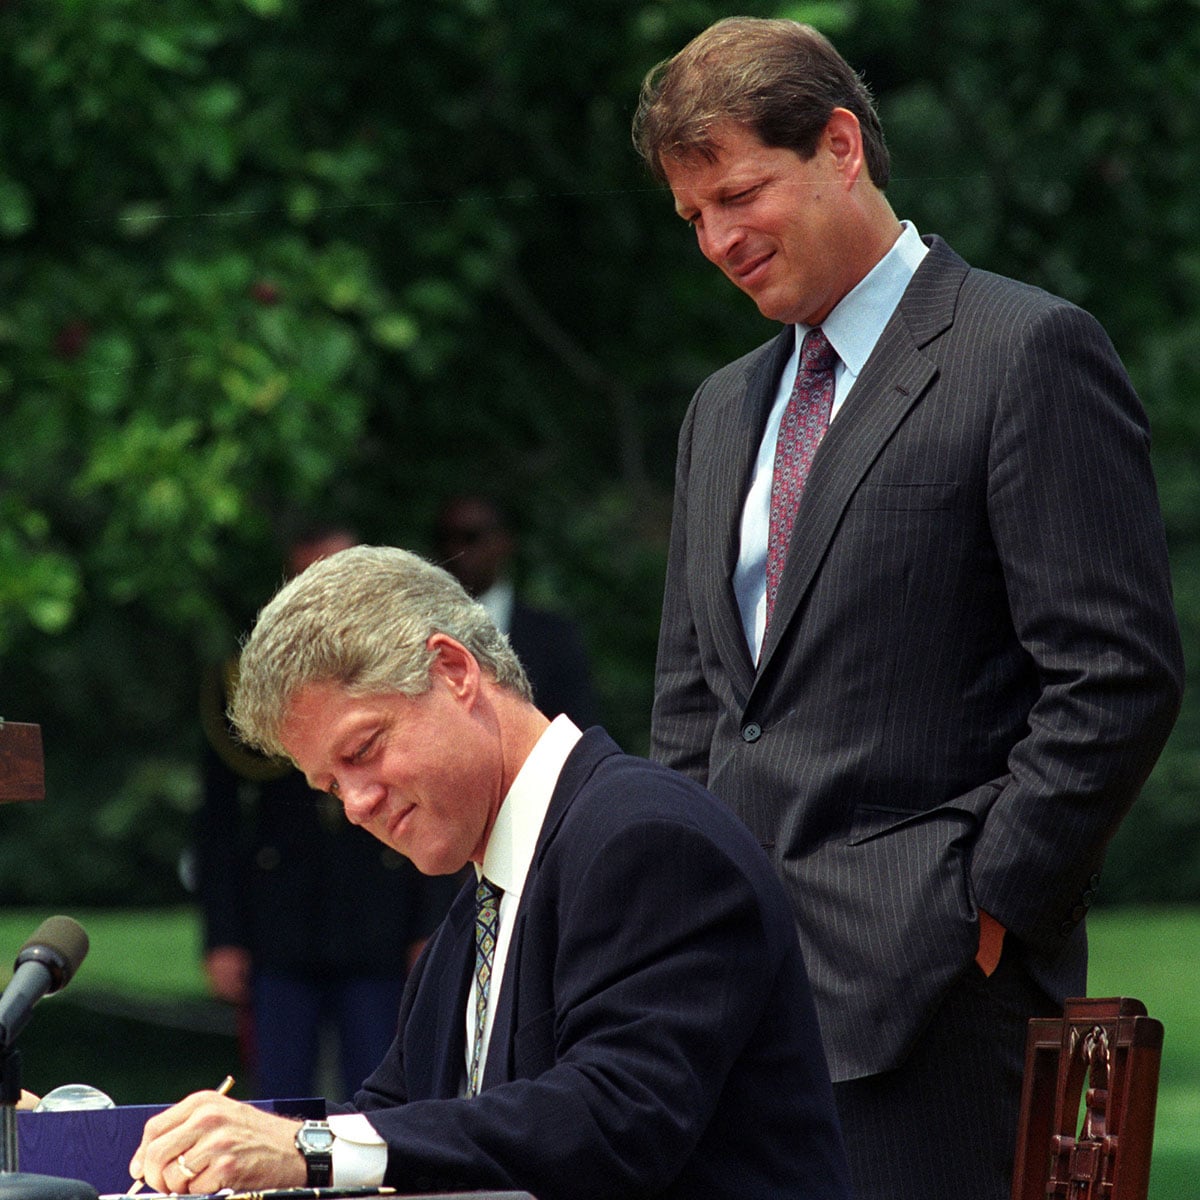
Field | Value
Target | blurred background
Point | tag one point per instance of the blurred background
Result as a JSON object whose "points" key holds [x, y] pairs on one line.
{"points": [[261, 258]]}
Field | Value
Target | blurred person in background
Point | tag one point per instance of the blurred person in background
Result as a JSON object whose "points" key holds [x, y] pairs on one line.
{"points": [[474, 541]]}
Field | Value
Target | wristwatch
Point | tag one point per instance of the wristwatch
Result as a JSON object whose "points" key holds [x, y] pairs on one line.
{"points": [[314, 1139]]}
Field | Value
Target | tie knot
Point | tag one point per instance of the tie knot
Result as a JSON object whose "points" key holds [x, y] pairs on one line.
{"points": [[486, 892], [816, 354]]}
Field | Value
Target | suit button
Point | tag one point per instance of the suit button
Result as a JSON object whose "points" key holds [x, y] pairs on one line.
{"points": [[751, 732], [1066, 928], [1094, 882], [1088, 897], [1078, 913]]}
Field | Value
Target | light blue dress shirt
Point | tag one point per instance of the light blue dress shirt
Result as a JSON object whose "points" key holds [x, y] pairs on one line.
{"points": [[853, 328]]}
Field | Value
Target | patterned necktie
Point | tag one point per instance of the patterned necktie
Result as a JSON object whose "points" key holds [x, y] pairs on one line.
{"points": [[805, 420], [487, 922]]}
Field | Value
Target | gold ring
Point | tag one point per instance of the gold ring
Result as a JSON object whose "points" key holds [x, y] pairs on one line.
{"points": [[188, 1173]]}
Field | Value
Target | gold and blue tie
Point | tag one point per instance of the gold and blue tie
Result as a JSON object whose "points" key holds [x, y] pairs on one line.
{"points": [[487, 923]]}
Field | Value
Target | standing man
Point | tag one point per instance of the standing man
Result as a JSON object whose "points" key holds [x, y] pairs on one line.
{"points": [[615, 1005], [930, 656]]}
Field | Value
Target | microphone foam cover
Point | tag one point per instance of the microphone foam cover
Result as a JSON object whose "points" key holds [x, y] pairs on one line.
{"points": [[61, 944]]}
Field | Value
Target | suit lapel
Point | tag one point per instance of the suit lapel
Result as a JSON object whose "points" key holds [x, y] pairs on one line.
{"points": [[893, 380], [592, 748], [500, 1066], [723, 488], [440, 1058]]}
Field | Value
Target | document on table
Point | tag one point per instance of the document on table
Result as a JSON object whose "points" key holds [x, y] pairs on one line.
{"points": [[328, 1193]]}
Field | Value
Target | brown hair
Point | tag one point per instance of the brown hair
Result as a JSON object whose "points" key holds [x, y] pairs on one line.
{"points": [[779, 78]]}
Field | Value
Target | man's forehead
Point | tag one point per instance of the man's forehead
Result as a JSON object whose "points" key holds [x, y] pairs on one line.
{"points": [[715, 140], [730, 150], [691, 159], [312, 708]]}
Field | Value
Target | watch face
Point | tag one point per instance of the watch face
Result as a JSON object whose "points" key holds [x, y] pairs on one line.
{"points": [[315, 1139]]}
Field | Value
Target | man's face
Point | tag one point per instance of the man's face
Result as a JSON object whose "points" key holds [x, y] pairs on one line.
{"points": [[774, 223], [473, 544], [420, 773], [303, 554]]}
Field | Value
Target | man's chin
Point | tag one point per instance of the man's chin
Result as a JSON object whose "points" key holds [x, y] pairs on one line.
{"points": [[773, 306], [436, 863], [785, 310]]}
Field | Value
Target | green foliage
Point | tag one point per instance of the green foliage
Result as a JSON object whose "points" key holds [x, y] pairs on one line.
{"points": [[265, 258]]}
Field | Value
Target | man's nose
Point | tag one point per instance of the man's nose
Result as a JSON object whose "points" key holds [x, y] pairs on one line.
{"points": [[360, 799], [717, 235]]}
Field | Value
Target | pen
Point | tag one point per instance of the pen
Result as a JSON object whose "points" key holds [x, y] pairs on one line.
{"points": [[222, 1089]]}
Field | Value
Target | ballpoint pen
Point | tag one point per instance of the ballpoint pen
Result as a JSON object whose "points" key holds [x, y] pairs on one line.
{"points": [[222, 1089]]}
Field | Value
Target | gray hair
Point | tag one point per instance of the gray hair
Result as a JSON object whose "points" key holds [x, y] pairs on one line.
{"points": [[359, 619]]}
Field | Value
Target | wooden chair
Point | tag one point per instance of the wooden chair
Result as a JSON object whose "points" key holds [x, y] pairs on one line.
{"points": [[1103, 1154]]}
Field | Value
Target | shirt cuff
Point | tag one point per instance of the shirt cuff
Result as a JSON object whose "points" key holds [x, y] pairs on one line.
{"points": [[359, 1153]]}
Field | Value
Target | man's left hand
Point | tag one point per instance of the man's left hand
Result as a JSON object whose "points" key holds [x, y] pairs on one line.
{"points": [[991, 943]]}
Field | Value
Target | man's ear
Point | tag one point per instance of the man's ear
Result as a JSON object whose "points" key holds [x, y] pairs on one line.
{"points": [[843, 138], [454, 665]]}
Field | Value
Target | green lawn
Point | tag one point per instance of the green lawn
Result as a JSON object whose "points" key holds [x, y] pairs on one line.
{"points": [[136, 1020], [81, 1035], [1154, 954]]}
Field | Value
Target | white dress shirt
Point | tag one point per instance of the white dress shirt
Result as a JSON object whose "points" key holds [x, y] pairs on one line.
{"points": [[853, 328], [510, 851], [498, 600], [359, 1153]]}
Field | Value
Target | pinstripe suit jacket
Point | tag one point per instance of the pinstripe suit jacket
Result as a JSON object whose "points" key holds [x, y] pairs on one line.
{"points": [[973, 661], [655, 1034]]}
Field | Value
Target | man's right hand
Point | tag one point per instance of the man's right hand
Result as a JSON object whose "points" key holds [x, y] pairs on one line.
{"points": [[207, 1142]]}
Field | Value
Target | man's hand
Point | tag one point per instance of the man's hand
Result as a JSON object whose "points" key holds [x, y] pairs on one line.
{"points": [[991, 943], [228, 971], [207, 1142], [414, 952]]}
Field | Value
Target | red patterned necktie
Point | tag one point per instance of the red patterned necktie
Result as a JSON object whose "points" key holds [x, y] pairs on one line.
{"points": [[805, 420]]}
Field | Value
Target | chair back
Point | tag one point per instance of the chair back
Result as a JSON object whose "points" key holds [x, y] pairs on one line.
{"points": [[1103, 1152]]}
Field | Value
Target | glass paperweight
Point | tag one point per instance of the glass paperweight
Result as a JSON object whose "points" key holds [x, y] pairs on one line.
{"points": [[73, 1096]]}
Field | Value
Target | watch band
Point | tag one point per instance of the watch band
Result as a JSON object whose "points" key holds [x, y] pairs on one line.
{"points": [[314, 1139], [320, 1170]]}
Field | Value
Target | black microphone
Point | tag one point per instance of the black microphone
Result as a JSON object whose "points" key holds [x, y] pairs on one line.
{"points": [[44, 964]]}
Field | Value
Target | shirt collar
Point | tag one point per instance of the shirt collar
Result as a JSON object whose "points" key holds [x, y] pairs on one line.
{"points": [[498, 600], [854, 326], [518, 824]]}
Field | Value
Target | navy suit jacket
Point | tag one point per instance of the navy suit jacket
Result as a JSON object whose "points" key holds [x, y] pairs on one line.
{"points": [[655, 1035], [973, 660]]}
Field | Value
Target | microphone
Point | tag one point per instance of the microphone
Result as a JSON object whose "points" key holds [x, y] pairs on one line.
{"points": [[44, 964]]}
